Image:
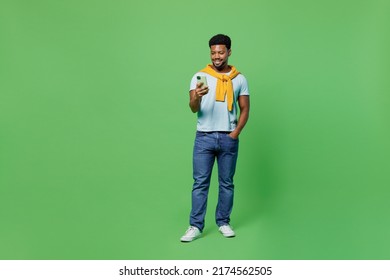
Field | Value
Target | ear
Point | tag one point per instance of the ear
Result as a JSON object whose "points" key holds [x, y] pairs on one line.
{"points": [[229, 52]]}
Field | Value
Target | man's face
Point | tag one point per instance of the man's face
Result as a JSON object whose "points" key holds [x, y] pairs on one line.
{"points": [[219, 56]]}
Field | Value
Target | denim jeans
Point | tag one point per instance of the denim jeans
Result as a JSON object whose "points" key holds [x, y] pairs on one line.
{"points": [[208, 147]]}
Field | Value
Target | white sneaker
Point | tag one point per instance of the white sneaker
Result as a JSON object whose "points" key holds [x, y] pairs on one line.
{"points": [[227, 231], [191, 234]]}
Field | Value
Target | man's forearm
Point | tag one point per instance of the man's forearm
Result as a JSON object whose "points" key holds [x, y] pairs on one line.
{"points": [[242, 120], [243, 102], [194, 102]]}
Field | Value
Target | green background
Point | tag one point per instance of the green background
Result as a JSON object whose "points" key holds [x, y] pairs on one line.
{"points": [[96, 134]]}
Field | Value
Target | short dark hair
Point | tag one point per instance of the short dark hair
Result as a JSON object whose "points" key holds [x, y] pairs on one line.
{"points": [[220, 39]]}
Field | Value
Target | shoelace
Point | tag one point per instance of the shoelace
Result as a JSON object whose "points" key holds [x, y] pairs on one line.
{"points": [[225, 227], [190, 229]]}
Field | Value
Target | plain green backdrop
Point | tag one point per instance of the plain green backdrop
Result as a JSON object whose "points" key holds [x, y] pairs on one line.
{"points": [[96, 134]]}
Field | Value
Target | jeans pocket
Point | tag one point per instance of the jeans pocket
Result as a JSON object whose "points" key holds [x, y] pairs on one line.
{"points": [[234, 139], [200, 134]]}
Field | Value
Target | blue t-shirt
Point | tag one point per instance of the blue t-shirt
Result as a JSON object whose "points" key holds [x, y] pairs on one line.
{"points": [[214, 115]]}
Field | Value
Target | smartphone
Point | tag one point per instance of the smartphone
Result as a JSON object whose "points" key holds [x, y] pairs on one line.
{"points": [[202, 79]]}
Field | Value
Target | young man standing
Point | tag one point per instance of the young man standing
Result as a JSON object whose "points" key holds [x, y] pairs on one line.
{"points": [[217, 134]]}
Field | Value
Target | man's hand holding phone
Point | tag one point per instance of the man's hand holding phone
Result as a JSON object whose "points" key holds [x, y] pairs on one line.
{"points": [[201, 87], [196, 94]]}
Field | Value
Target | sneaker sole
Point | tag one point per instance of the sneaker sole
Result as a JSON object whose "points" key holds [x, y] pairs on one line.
{"points": [[189, 240], [228, 235]]}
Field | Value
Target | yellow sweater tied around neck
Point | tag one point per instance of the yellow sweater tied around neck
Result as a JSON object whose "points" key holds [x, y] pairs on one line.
{"points": [[224, 84]]}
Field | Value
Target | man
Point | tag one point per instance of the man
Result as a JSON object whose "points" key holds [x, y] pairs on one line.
{"points": [[217, 134]]}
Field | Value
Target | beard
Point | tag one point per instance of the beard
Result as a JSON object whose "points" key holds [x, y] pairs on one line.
{"points": [[220, 66]]}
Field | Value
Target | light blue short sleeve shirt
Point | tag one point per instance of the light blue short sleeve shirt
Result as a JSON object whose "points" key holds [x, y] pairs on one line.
{"points": [[214, 115]]}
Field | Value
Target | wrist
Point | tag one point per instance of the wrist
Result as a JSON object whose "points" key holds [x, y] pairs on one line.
{"points": [[234, 134]]}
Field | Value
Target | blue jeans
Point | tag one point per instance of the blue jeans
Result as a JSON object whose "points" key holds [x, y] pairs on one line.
{"points": [[208, 147]]}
